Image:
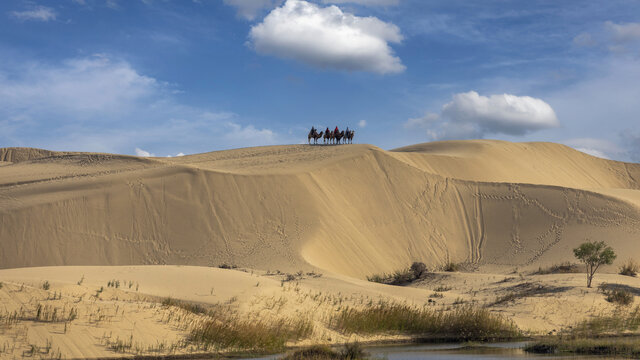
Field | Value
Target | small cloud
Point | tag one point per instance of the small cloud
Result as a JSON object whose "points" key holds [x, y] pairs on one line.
{"points": [[424, 121], [596, 147], [624, 32], [584, 40], [328, 38], [250, 9], [364, 2], [180, 154], [143, 153], [593, 152], [471, 115], [362, 123], [38, 13]]}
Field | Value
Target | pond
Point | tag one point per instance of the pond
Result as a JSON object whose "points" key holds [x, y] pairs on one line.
{"points": [[497, 351]]}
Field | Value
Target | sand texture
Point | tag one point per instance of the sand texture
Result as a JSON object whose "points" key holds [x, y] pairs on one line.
{"points": [[162, 225]]}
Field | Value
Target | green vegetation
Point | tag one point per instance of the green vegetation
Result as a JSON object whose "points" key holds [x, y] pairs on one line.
{"points": [[46, 285], [461, 323], [630, 268], [594, 254], [351, 351], [232, 333]]}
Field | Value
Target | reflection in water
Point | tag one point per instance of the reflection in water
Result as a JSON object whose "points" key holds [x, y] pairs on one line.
{"points": [[497, 351]]}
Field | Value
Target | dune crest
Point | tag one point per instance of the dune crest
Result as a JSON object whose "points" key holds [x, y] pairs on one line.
{"points": [[351, 210]]}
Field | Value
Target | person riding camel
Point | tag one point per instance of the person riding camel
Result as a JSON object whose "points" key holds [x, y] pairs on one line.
{"points": [[336, 131], [327, 131], [346, 132], [313, 130]]}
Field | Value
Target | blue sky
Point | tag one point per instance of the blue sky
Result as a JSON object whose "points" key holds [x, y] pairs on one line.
{"points": [[176, 77]]}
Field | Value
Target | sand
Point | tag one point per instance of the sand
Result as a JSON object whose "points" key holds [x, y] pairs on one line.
{"points": [[501, 209]]}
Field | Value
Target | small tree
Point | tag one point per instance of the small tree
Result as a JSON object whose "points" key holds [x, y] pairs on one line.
{"points": [[594, 254]]}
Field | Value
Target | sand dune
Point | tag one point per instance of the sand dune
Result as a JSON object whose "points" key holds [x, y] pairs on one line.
{"points": [[344, 212], [352, 210]]}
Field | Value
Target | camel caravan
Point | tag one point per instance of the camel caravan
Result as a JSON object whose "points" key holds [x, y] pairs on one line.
{"points": [[331, 137]]}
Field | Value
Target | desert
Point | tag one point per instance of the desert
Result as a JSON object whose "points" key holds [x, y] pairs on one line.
{"points": [[108, 255]]}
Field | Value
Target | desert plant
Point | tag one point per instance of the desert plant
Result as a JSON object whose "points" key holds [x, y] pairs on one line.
{"points": [[418, 269], [462, 323], [451, 267], [630, 268], [562, 268], [594, 254], [46, 285], [227, 332], [616, 295]]}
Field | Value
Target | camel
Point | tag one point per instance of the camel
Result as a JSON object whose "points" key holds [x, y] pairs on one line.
{"points": [[314, 135], [328, 136], [348, 138], [339, 136]]}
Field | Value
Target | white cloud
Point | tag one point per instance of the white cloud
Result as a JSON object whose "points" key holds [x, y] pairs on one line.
{"points": [[593, 152], [584, 39], [38, 13], [250, 9], [597, 147], [83, 86], [143, 153], [471, 115], [362, 123], [180, 154], [425, 121], [327, 37], [364, 2], [506, 114], [624, 32], [105, 105]]}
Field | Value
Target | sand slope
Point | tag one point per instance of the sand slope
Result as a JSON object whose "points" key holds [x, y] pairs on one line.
{"points": [[352, 210]]}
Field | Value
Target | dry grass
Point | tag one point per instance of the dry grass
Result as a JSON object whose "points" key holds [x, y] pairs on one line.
{"points": [[562, 268], [630, 268], [188, 306], [237, 334], [461, 323], [616, 295]]}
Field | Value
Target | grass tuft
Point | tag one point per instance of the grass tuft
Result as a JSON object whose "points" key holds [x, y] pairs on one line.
{"points": [[462, 323], [616, 295], [630, 268], [562, 268], [250, 335]]}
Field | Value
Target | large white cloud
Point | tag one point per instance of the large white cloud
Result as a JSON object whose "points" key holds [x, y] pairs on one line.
{"points": [[327, 37], [471, 115]]}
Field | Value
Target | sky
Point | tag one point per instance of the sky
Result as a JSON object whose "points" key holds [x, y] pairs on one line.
{"points": [[167, 78]]}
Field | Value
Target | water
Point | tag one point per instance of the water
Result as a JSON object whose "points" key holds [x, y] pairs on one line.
{"points": [[493, 351]]}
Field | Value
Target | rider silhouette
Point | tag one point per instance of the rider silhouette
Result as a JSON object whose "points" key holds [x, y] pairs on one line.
{"points": [[336, 131]]}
